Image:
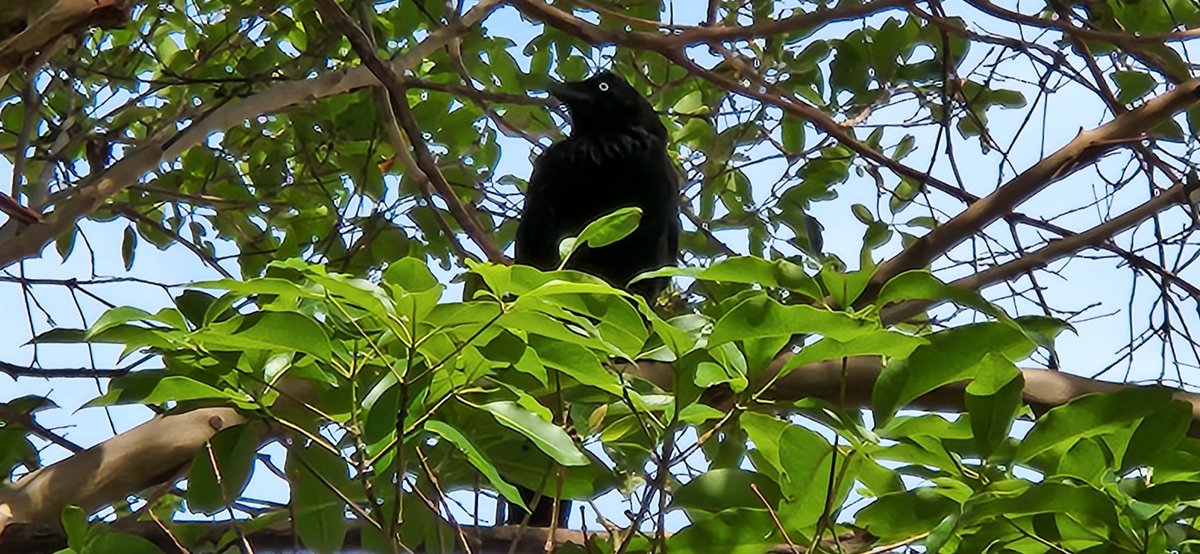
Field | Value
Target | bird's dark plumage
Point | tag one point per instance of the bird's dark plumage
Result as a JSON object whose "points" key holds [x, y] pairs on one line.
{"points": [[615, 157]]}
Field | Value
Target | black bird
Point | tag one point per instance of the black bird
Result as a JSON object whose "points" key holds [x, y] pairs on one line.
{"points": [[615, 157]]}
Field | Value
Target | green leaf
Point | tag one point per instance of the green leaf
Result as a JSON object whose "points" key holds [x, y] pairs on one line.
{"points": [[358, 292], [1132, 85], [845, 286], [602, 232], [270, 331], [882, 342], [1158, 435], [1169, 493], [60, 335], [951, 355], [993, 399], [74, 522], [154, 387], [691, 104], [212, 488], [862, 214], [112, 542], [477, 459], [410, 274], [1091, 415], [129, 242], [808, 461], [726, 488], [905, 147], [549, 438], [748, 270], [920, 284], [577, 362], [1078, 501], [65, 243], [263, 285], [906, 514], [320, 519], [1007, 98], [734, 531], [792, 131], [117, 316], [760, 316]]}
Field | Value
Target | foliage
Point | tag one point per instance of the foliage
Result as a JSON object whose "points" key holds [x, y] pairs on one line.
{"points": [[472, 379]]}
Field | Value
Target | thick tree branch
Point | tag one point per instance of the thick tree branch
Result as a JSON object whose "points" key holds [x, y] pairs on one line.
{"points": [[142, 457], [61, 17], [1119, 39], [683, 36], [1043, 389], [1095, 237], [1084, 149]]}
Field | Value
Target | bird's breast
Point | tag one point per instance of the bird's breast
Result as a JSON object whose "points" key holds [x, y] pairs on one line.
{"points": [[605, 151]]}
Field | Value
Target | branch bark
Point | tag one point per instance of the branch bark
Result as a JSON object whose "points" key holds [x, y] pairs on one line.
{"points": [[147, 455], [1085, 148], [398, 97], [60, 18], [1095, 237], [1043, 389]]}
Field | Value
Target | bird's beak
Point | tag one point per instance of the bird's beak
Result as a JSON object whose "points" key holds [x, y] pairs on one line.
{"points": [[569, 93]]}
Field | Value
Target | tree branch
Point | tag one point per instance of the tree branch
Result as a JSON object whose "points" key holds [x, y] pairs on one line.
{"points": [[1119, 39], [1085, 148], [140, 458], [1043, 389], [397, 95], [1095, 237]]}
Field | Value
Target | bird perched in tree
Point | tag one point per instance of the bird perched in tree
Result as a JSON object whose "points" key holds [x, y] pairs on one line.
{"points": [[615, 157]]}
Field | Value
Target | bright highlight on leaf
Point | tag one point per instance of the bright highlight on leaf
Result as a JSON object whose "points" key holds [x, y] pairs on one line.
{"points": [[602, 232]]}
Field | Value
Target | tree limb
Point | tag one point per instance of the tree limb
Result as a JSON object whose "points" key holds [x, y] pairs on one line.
{"points": [[1095, 237], [1086, 147], [137, 459], [397, 94]]}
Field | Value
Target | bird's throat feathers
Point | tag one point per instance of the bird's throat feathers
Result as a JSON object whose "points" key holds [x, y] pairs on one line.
{"points": [[595, 148]]}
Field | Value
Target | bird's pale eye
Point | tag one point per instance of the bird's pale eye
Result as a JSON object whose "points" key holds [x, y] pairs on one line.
{"points": [[603, 87]]}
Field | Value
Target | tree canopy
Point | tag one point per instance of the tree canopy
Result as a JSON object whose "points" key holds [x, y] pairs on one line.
{"points": [[934, 291]]}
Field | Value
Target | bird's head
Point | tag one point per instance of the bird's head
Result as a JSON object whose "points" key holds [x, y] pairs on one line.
{"points": [[606, 102]]}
